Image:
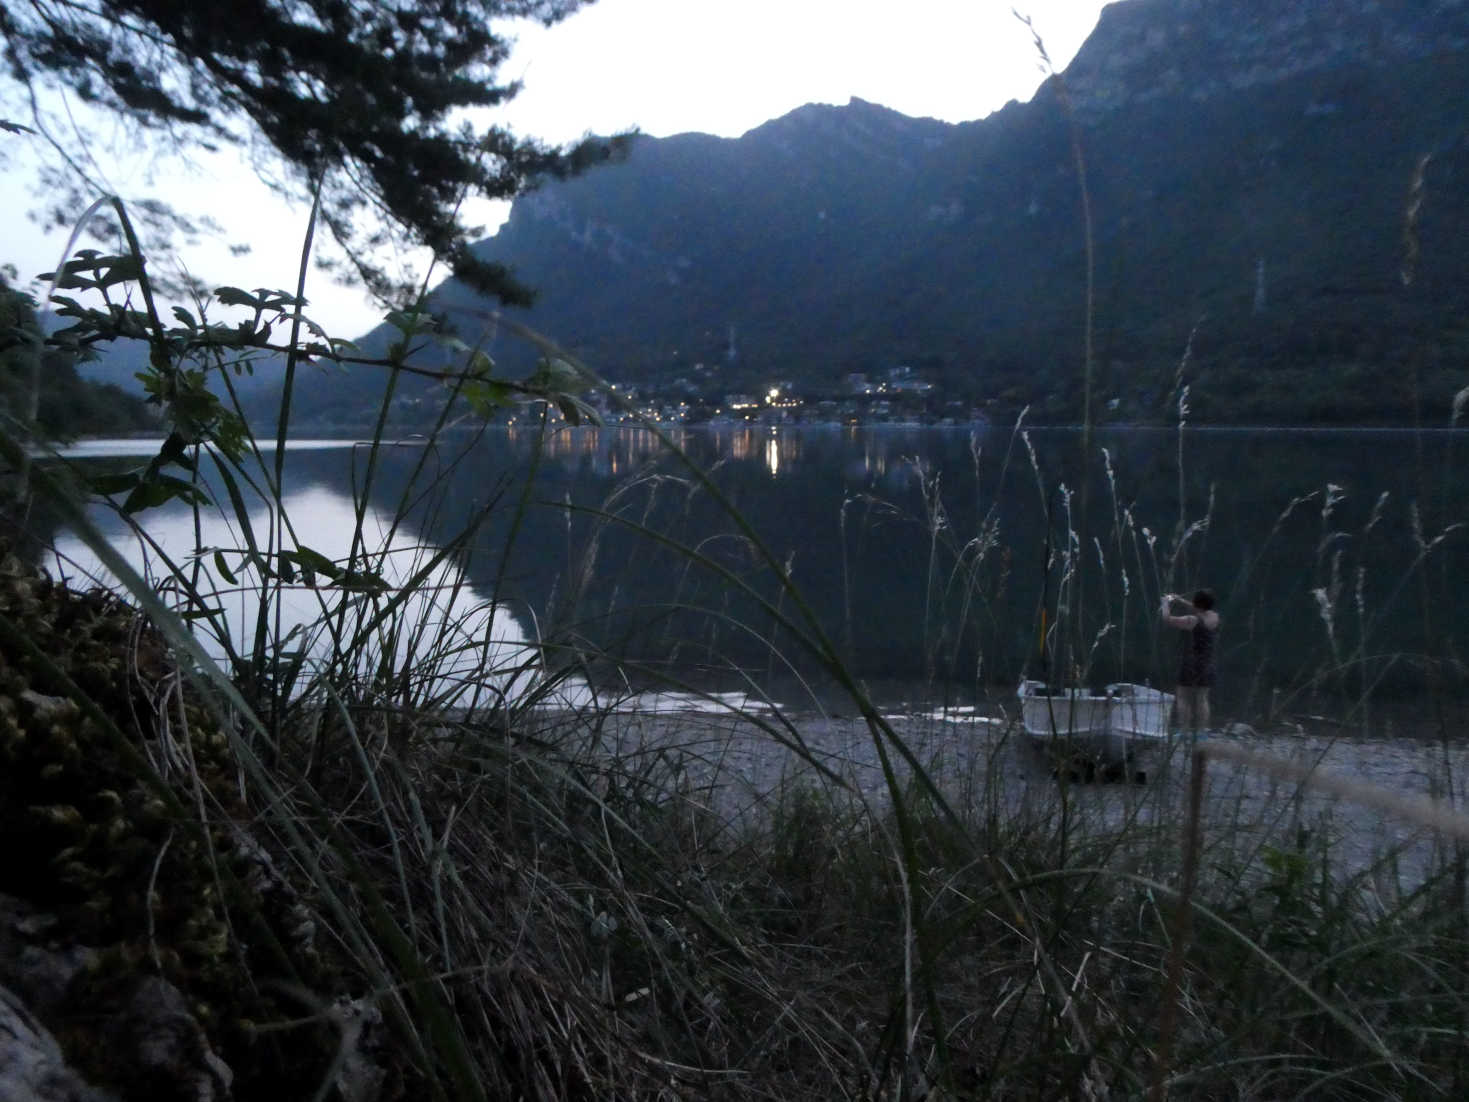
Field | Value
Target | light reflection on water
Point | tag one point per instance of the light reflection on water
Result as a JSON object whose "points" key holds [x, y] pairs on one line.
{"points": [[620, 450], [470, 642], [605, 451], [460, 648]]}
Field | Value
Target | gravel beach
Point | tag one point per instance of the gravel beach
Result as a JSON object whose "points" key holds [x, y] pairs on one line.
{"points": [[736, 765]]}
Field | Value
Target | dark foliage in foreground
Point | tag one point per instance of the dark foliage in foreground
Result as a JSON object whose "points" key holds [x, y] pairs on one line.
{"points": [[437, 908]]}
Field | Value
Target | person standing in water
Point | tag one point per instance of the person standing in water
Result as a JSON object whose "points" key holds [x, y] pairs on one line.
{"points": [[1196, 655]]}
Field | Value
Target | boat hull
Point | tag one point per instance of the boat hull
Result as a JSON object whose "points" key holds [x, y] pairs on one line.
{"points": [[1119, 727]]}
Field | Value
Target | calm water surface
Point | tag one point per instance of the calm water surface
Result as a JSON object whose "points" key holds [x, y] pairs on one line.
{"points": [[921, 556]]}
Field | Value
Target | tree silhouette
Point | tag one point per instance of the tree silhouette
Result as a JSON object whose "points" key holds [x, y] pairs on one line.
{"points": [[365, 99]]}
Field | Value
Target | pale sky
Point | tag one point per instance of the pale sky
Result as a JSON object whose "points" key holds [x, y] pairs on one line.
{"points": [[663, 66]]}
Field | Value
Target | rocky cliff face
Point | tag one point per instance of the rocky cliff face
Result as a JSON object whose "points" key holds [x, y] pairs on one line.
{"points": [[1145, 50]]}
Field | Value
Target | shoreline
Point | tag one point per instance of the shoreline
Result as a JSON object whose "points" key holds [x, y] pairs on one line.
{"points": [[728, 766]]}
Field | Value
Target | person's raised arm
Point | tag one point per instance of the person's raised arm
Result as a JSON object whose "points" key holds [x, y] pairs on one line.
{"points": [[1188, 619], [1184, 622]]}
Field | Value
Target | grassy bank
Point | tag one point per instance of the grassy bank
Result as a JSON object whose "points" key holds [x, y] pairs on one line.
{"points": [[601, 903]]}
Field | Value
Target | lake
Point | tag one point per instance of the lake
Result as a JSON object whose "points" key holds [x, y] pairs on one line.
{"points": [[940, 560]]}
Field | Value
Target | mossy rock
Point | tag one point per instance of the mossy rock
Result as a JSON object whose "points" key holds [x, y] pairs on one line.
{"points": [[120, 816]]}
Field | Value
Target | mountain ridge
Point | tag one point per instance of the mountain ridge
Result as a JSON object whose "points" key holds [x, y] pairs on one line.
{"points": [[1249, 217]]}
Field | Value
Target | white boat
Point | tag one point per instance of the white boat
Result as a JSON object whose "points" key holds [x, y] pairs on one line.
{"points": [[1117, 729]]}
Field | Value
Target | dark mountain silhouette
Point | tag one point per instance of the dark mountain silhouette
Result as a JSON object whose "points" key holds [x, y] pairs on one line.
{"points": [[1250, 170]]}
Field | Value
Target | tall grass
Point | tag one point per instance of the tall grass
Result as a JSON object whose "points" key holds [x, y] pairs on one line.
{"points": [[510, 874]]}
